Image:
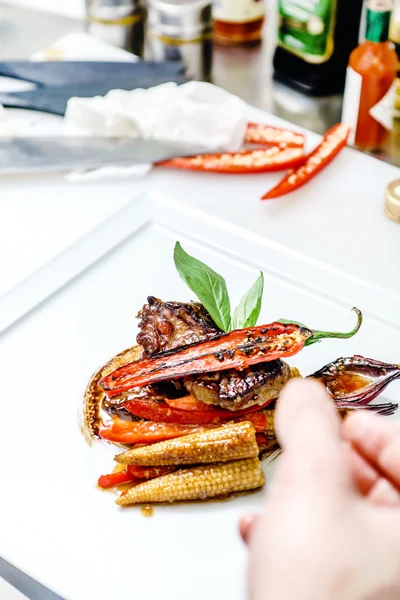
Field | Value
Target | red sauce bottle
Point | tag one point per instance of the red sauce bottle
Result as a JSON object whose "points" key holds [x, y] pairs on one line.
{"points": [[370, 74]]}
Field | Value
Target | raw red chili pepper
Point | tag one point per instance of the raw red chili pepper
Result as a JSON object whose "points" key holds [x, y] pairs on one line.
{"points": [[323, 154], [141, 432], [261, 160], [259, 133], [132, 474], [160, 411], [237, 349]]}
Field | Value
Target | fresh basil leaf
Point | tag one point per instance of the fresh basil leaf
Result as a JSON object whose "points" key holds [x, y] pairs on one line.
{"points": [[209, 286], [248, 310]]}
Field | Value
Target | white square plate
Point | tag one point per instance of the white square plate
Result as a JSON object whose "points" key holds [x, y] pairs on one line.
{"points": [[72, 316]]}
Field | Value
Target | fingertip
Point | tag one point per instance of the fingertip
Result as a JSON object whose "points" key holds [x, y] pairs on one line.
{"points": [[357, 422], [299, 391], [300, 399], [246, 527], [363, 474]]}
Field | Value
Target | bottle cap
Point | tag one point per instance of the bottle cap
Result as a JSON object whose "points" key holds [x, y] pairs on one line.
{"points": [[392, 201]]}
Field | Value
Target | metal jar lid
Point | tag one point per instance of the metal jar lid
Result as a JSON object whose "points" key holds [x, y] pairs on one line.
{"points": [[182, 19], [392, 201]]}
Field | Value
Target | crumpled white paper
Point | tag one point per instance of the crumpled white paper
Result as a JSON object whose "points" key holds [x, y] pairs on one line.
{"points": [[194, 113]]}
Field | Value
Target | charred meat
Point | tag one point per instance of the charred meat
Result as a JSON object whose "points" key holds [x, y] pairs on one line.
{"points": [[168, 325], [235, 390]]}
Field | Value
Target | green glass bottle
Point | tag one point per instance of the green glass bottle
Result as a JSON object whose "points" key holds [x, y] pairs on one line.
{"points": [[315, 39]]}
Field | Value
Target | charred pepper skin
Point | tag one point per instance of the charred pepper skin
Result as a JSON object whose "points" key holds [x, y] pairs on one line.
{"points": [[237, 349]]}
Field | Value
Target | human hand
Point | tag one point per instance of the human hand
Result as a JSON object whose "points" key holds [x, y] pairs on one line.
{"points": [[330, 528]]}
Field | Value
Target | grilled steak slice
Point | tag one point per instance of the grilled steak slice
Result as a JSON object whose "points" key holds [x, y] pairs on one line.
{"points": [[168, 325], [235, 390]]}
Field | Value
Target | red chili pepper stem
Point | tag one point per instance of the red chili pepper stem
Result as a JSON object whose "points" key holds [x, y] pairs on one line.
{"points": [[317, 335]]}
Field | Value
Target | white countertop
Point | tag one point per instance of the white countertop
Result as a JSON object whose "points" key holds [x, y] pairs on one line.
{"points": [[8, 592], [336, 223]]}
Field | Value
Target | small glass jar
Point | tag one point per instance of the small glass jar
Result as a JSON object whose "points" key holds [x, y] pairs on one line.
{"points": [[181, 30], [238, 22], [119, 22]]}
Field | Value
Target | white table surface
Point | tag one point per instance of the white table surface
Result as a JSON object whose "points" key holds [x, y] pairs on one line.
{"points": [[8, 592], [337, 220]]}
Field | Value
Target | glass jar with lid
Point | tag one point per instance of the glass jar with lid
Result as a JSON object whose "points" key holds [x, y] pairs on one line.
{"points": [[238, 22]]}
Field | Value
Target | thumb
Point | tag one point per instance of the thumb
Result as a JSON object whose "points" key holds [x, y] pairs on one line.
{"points": [[308, 429]]}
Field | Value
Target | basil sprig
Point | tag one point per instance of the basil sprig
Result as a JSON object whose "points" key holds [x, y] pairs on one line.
{"points": [[248, 310], [211, 290]]}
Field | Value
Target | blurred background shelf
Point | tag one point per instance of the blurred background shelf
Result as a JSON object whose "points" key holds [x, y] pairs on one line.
{"points": [[246, 72]]}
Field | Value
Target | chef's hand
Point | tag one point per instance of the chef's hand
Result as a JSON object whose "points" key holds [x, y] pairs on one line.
{"points": [[330, 528]]}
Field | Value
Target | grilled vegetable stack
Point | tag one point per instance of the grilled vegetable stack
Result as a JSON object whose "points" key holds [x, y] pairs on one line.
{"points": [[194, 401]]}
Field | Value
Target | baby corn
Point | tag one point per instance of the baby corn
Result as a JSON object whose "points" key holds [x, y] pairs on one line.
{"points": [[233, 441], [197, 483], [269, 415]]}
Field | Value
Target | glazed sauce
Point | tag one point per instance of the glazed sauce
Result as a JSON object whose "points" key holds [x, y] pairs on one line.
{"points": [[147, 510], [346, 383]]}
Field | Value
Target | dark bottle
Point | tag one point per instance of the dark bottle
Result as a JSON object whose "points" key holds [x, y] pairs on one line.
{"points": [[315, 39]]}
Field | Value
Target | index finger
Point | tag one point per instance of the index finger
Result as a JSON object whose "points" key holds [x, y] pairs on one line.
{"points": [[378, 440], [308, 428]]}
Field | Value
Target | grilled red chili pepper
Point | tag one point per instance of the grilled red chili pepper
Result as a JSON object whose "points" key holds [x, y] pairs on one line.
{"points": [[190, 403], [149, 472], [261, 160], [143, 432], [132, 474], [113, 479], [323, 154], [161, 411], [259, 133], [356, 379], [237, 349]]}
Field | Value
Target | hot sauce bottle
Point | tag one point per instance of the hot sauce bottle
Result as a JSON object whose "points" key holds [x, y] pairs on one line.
{"points": [[238, 22], [371, 72]]}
